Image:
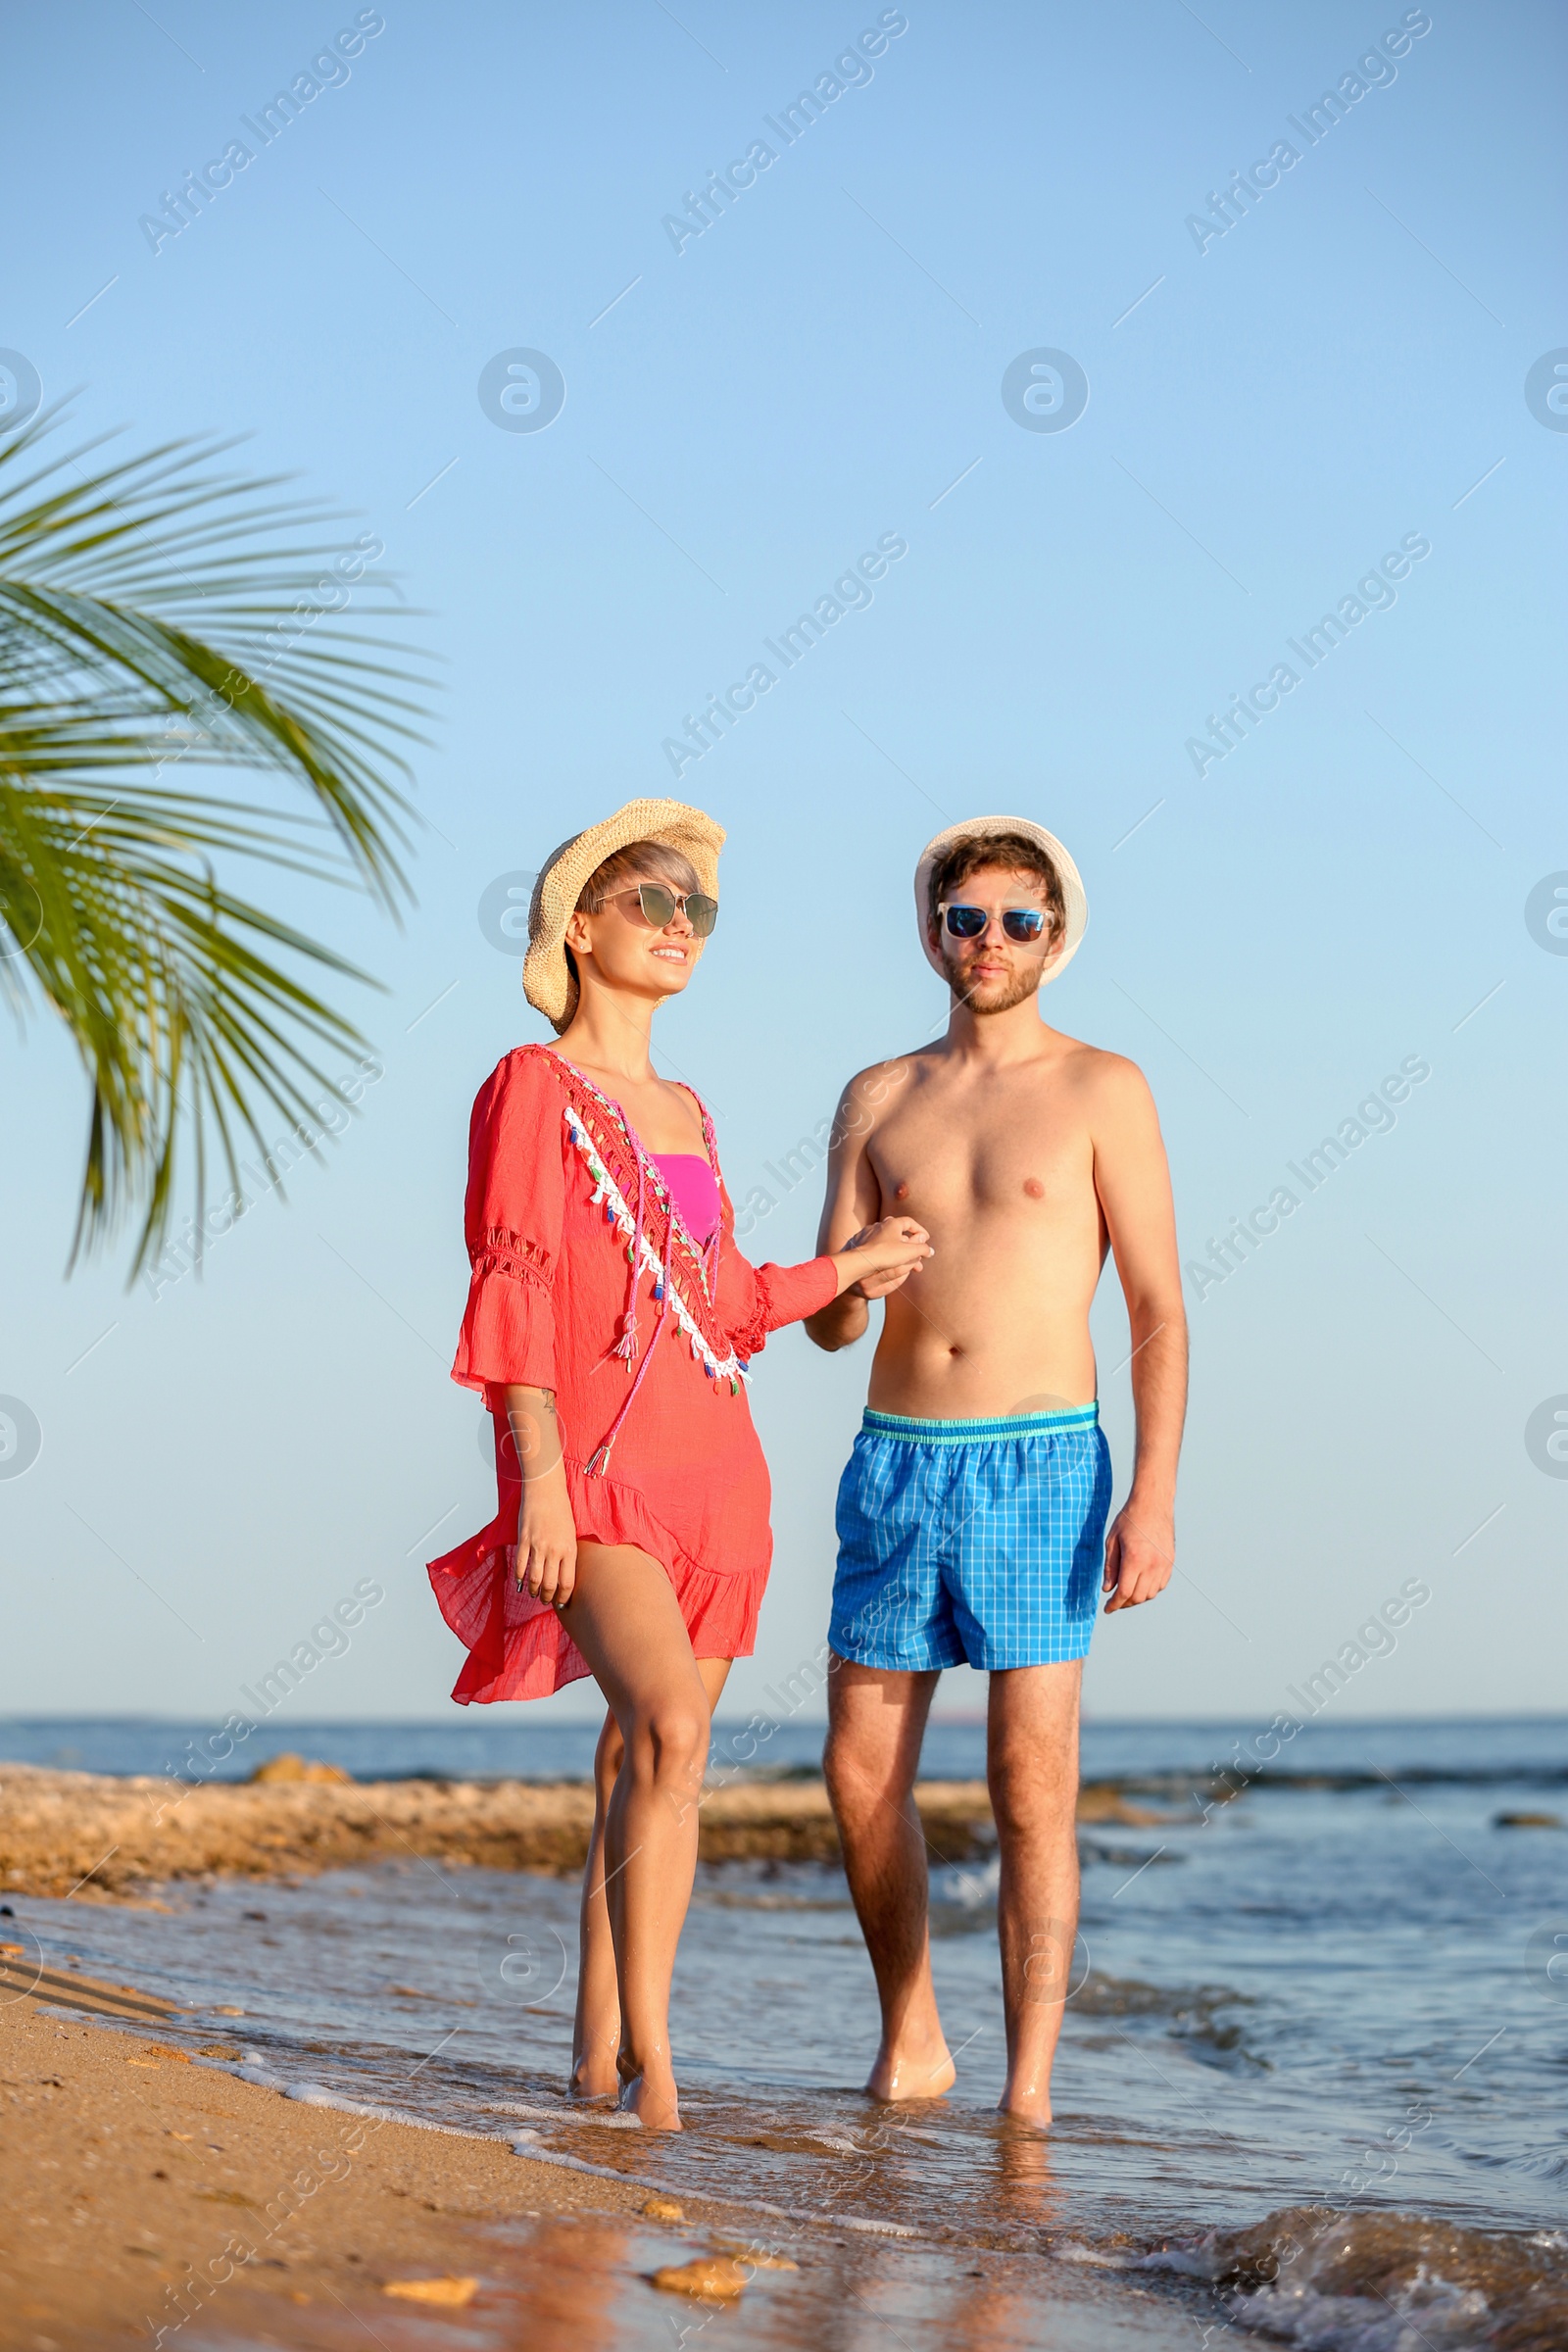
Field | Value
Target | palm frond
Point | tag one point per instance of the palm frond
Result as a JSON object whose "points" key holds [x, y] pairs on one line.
{"points": [[158, 618]]}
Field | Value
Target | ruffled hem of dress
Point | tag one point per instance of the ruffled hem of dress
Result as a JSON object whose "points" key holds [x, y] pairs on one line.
{"points": [[518, 1648]]}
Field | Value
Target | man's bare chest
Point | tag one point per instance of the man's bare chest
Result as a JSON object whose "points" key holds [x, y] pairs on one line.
{"points": [[1017, 1151]]}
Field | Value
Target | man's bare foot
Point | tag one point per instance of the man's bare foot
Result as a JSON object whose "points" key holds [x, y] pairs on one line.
{"points": [[654, 2102], [913, 2071], [1026, 2105]]}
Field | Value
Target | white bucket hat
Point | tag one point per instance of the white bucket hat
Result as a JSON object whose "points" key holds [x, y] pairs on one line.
{"points": [[1074, 900]]}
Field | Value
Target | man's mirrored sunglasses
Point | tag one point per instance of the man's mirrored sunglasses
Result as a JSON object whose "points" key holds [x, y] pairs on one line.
{"points": [[1026, 925]]}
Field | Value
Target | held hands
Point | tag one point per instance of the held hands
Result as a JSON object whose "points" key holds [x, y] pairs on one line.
{"points": [[885, 1255], [1140, 1554]]}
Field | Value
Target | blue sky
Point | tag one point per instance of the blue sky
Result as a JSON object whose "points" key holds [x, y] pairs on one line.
{"points": [[1270, 412]]}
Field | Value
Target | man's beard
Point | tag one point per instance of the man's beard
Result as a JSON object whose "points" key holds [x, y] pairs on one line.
{"points": [[995, 995]]}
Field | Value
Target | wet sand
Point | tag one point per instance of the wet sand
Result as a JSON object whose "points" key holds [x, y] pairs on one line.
{"points": [[149, 2198], [144, 2191], [138, 2187], [65, 1833]]}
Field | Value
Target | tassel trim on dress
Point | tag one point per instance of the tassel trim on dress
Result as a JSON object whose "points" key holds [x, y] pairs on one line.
{"points": [[645, 1260]]}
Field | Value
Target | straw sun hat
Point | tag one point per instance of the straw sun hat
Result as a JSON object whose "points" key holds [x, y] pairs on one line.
{"points": [[1075, 901], [547, 978]]}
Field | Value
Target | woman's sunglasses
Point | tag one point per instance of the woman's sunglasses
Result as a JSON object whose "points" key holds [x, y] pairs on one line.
{"points": [[658, 907], [1026, 925]]}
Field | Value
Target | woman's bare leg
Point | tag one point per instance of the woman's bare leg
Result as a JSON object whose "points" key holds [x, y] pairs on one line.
{"points": [[596, 2033], [624, 1618], [596, 2036]]}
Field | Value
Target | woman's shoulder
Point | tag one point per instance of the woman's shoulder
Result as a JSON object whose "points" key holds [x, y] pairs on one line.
{"points": [[529, 1065], [529, 1077]]}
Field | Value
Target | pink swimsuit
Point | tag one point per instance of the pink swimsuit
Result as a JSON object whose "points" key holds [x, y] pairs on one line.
{"points": [[694, 1189]]}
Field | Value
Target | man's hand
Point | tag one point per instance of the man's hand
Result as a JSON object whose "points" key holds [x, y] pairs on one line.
{"points": [[1134, 1188], [890, 1252], [879, 1286], [1140, 1554]]}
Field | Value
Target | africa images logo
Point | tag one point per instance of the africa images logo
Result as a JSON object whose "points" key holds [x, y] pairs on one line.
{"points": [[1545, 391], [1044, 391], [21, 390], [20, 1437], [1546, 1437], [504, 910], [522, 390], [1546, 914]]}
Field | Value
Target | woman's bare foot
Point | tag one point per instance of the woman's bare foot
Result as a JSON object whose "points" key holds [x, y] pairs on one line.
{"points": [[596, 2070], [594, 2078], [913, 2071], [653, 2100]]}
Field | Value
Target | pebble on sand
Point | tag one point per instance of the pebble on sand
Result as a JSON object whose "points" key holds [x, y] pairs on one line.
{"points": [[712, 2278], [663, 2209], [451, 2293], [753, 2256]]}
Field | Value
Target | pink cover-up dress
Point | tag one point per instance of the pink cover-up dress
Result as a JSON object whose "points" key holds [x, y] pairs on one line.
{"points": [[645, 1359]]}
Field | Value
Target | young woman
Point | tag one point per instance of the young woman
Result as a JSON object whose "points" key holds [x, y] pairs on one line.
{"points": [[609, 1322]]}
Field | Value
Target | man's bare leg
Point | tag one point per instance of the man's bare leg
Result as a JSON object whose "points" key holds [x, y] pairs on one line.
{"points": [[596, 2033], [875, 1725], [1032, 1768]]}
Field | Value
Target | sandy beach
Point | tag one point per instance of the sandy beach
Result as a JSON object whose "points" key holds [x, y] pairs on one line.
{"points": [[285, 2062], [150, 2198], [147, 2188], [142, 2190]]}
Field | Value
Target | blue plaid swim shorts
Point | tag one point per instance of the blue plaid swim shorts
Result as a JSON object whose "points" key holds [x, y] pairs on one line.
{"points": [[977, 1541]]}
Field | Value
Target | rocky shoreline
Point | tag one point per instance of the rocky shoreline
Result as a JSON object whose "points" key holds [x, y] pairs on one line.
{"points": [[94, 1835]]}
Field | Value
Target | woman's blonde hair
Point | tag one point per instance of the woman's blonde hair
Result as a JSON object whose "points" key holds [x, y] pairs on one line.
{"points": [[641, 861]]}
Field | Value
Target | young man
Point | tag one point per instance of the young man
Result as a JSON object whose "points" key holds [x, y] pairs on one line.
{"points": [[972, 1514]]}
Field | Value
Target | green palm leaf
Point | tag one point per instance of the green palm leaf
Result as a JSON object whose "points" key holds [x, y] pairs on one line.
{"points": [[160, 618]]}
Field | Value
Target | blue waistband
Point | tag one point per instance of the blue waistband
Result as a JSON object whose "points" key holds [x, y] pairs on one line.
{"points": [[980, 1433]]}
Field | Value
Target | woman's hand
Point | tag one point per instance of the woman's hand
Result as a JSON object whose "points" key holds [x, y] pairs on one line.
{"points": [[880, 1258], [546, 1537], [547, 1540]]}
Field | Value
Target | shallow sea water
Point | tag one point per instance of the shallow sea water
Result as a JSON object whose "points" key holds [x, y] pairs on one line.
{"points": [[1340, 1991]]}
